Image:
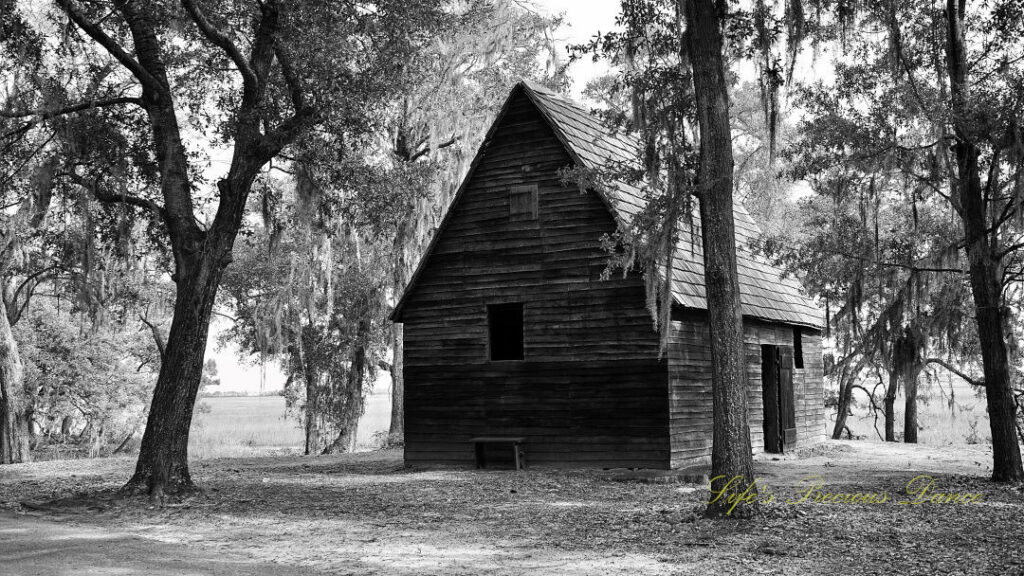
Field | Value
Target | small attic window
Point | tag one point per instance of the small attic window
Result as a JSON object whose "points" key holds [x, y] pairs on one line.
{"points": [[505, 331], [798, 349], [522, 203]]}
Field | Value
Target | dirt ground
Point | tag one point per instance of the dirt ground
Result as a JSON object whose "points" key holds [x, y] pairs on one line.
{"points": [[366, 514]]}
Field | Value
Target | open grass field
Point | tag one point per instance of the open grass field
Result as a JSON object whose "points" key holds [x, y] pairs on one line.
{"points": [[366, 514], [244, 426], [949, 413]]}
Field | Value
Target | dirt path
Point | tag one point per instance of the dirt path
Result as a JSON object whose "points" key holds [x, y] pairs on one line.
{"points": [[366, 514], [34, 547]]}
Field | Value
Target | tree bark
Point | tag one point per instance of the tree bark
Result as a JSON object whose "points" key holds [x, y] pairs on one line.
{"points": [[731, 454], [985, 262], [890, 402], [987, 291], [200, 255], [353, 407], [162, 466], [14, 419], [843, 409], [396, 433], [404, 245], [910, 407], [312, 426]]}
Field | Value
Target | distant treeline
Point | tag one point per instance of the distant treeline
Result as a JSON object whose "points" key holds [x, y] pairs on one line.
{"points": [[233, 394]]}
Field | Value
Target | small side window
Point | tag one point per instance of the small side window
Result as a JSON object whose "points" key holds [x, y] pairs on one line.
{"points": [[522, 203], [798, 349], [505, 331]]}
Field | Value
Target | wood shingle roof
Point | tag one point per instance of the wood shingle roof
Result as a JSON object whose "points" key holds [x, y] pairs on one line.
{"points": [[765, 293]]}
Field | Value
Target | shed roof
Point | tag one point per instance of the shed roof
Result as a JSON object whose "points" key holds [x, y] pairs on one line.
{"points": [[764, 291]]}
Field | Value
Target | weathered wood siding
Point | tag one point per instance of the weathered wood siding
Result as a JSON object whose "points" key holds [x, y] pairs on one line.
{"points": [[690, 386], [590, 390]]}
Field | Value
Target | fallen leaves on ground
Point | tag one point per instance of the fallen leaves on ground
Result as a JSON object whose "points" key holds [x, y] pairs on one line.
{"points": [[368, 514]]}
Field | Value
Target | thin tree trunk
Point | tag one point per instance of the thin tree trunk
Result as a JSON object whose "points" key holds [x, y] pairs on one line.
{"points": [[890, 404], [843, 410], [312, 428], [910, 407], [984, 262], [353, 408], [14, 420], [396, 433], [731, 455], [405, 244]]}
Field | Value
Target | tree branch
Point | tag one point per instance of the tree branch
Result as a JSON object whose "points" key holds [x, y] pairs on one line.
{"points": [[157, 337], [427, 149], [108, 44], [47, 114], [969, 379], [874, 407], [109, 197], [291, 77], [286, 132], [221, 40], [223, 315], [887, 264], [262, 55], [14, 311]]}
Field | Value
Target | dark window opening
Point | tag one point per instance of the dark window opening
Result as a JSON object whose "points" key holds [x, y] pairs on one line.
{"points": [[505, 331], [522, 202], [798, 349]]}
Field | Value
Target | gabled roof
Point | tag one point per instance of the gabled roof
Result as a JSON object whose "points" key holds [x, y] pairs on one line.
{"points": [[764, 293]]}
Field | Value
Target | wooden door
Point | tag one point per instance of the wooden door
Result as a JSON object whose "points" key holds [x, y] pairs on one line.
{"points": [[770, 396], [777, 395], [787, 412]]}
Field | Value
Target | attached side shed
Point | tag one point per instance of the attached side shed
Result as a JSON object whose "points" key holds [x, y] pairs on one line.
{"points": [[510, 331]]}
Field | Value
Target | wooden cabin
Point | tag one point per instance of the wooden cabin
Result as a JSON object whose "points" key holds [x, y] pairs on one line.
{"points": [[510, 332]]}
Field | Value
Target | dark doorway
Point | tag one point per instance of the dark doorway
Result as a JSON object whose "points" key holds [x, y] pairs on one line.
{"points": [[777, 392]]}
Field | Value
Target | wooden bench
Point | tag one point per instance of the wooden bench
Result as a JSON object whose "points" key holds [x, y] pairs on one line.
{"points": [[515, 442]]}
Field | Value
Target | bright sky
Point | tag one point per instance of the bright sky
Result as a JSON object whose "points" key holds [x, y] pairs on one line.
{"points": [[583, 19]]}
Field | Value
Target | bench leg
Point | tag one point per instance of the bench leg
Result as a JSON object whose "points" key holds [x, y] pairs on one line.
{"points": [[478, 452], [519, 458]]}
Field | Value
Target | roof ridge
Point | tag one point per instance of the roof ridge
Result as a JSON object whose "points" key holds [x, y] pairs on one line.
{"points": [[767, 293]]}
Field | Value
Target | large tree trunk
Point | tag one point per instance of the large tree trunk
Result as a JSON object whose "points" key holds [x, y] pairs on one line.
{"points": [[987, 290], [731, 455], [163, 456], [984, 262], [14, 417], [396, 433], [200, 253]]}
